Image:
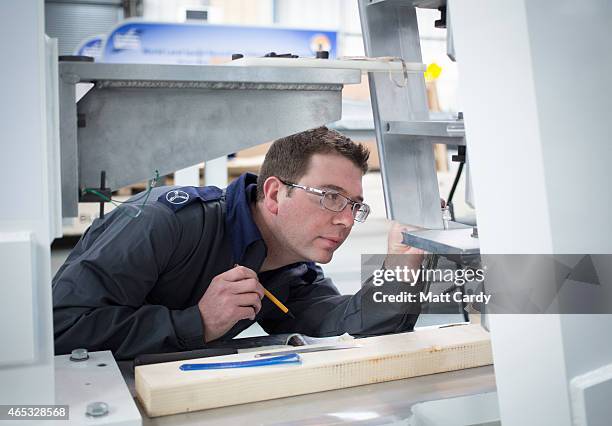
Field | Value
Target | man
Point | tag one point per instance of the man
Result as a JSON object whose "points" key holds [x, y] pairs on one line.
{"points": [[193, 266]]}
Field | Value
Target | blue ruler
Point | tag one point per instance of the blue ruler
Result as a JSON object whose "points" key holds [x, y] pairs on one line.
{"points": [[276, 360]]}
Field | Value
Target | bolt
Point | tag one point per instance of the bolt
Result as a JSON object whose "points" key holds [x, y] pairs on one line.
{"points": [[79, 355], [97, 409], [446, 216]]}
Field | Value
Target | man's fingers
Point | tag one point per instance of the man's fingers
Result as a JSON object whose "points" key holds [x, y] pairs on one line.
{"points": [[238, 273], [400, 227], [242, 312], [250, 285], [248, 299], [415, 251]]}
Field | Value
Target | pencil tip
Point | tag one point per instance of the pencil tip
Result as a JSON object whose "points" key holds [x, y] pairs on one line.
{"points": [[290, 315]]}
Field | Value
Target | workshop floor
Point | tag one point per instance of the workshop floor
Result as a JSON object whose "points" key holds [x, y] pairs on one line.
{"points": [[367, 238]]}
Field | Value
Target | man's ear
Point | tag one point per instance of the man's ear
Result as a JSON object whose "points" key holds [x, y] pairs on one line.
{"points": [[271, 189]]}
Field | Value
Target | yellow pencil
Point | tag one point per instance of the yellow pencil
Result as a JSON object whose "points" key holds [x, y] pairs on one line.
{"points": [[277, 302]]}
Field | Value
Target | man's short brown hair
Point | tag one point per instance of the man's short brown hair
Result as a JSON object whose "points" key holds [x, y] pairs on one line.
{"points": [[288, 158]]}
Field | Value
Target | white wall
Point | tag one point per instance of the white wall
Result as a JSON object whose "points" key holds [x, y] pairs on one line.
{"points": [[245, 12]]}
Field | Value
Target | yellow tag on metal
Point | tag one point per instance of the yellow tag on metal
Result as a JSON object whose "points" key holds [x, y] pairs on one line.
{"points": [[432, 72]]}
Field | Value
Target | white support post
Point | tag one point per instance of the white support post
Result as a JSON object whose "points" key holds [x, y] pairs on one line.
{"points": [[534, 89], [215, 172], [28, 213], [187, 177]]}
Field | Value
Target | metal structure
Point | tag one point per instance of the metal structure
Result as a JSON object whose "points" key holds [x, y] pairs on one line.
{"points": [[404, 131], [448, 241], [93, 388], [141, 118]]}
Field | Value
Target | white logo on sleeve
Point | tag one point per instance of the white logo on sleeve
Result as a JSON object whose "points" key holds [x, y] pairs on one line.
{"points": [[177, 196]]}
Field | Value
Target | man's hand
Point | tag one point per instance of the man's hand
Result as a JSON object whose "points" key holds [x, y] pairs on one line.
{"points": [[232, 296], [396, 247]]}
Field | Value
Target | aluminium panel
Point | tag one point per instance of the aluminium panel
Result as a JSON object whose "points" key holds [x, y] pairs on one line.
{"points": [[407, 161]]}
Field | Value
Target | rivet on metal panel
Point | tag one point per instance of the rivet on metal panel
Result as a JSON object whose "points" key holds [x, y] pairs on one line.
{"points": [[79, 354], [97, 409]]}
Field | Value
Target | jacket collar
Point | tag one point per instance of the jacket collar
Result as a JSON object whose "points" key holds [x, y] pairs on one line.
{"points": [[238, 219]]}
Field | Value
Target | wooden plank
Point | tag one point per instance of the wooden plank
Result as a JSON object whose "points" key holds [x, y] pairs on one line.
{"points": [[163, 389]]}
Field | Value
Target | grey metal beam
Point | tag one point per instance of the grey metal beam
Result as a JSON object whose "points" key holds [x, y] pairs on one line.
{"points": [[89, 72], [141, 118], [450, 241], [129, 133], [423, 4], [68, 148], [407, 161], [445, 132]]}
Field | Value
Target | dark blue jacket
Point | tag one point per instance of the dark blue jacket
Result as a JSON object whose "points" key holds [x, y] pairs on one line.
{"points": [[132, 284]]}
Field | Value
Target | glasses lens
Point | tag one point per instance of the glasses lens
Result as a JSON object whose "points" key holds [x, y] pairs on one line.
{"points": [[334, 201]]}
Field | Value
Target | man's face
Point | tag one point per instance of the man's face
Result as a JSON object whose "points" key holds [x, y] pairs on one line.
{"points": [[308, 230]]}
